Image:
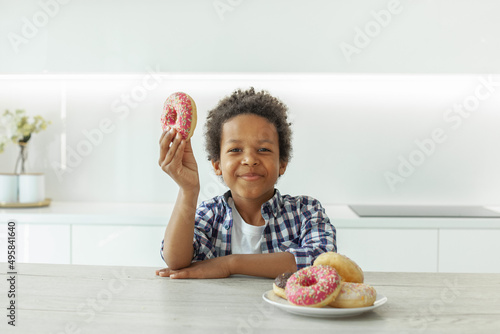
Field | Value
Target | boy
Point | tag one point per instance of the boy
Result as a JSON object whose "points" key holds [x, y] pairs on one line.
{"points": [[252, 229]]}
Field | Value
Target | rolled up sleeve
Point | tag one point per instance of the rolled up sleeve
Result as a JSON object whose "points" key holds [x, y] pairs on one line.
{"points": [[317, 235], [204, 249]]}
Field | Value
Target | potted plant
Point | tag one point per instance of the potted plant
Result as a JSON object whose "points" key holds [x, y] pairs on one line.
{"points": [[18, 128]]}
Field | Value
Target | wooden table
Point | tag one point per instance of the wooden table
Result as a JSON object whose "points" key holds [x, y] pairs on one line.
{"points": [[97, 299]]}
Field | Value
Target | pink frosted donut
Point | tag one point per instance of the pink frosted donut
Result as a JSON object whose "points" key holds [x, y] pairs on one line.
{"points": [[179, 112], [314, 286]]}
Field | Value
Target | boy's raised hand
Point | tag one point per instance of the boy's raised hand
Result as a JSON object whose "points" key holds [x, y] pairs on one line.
{"points": [[177, 159]]}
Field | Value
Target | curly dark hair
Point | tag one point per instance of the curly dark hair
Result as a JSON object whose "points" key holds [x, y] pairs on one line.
{"points": [[248, 102]]}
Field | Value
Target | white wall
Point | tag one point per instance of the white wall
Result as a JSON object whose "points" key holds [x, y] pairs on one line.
{"points": [[349, 132], [437, 36], [373, 105]]}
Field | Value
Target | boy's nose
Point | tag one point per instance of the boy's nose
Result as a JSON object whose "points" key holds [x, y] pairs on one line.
{"points": [[250, 159]]}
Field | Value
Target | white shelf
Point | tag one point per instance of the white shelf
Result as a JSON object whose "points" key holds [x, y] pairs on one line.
{"points": [[89, 213]]}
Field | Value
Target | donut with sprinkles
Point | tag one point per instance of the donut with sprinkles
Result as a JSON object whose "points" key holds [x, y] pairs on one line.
{"points": [[315, 286], [179, 112]]}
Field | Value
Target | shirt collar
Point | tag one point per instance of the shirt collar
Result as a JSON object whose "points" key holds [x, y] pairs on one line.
{"points": [[271, 207], [226, 196]]}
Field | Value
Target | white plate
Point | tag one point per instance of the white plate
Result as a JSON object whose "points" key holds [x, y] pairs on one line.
{"points": [[323, 312]]}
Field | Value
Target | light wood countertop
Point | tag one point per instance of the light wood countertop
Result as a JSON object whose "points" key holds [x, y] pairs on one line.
{"points": [[102, 299]]}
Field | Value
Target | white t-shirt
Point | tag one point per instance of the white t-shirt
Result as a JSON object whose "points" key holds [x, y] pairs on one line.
{"points": [[245, 238]]}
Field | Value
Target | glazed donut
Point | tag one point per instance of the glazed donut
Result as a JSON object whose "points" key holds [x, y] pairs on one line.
{"points": [[348, 270], [354, 295], [315, 286], [179, 112], [279, 284]]}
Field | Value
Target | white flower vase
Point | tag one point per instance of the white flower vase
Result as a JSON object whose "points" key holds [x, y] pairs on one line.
{"points": [[30, 186], [8, 188], [22, 158]]}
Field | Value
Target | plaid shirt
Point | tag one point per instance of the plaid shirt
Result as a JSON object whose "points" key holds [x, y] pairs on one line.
{"points": [[298, 225]]}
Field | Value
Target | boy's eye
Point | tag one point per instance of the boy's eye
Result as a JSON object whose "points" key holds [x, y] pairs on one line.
{"points": [[234, 150], [263, 149]]}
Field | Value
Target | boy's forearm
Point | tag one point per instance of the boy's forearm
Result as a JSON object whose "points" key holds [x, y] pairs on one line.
{"points": [[263, 265], [178, 239]]}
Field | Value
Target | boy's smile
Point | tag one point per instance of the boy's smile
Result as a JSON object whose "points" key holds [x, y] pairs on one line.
{"points": [[249, 158]]}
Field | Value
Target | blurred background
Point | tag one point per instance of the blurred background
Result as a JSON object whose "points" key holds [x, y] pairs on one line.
{"points": [[392, 102], [364, 80]]}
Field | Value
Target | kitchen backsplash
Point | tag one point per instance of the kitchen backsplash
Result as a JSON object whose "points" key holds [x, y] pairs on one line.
{"points": [[425, 139]]}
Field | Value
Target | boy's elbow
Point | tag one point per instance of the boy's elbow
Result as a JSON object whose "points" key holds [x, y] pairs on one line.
{"points": [[164, 255], [173, 266], [176, 265], [173, 263]]}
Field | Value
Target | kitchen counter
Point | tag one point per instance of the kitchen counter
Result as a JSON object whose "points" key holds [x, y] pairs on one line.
{"points": [[157, 214], [97, 233], [107, 299]]}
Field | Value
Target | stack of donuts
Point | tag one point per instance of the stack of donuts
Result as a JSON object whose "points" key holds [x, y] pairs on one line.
{"points": [[333, 280]]}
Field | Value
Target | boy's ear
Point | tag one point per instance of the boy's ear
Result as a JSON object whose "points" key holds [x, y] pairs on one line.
{"points": [[216, 166], [283, 165]]}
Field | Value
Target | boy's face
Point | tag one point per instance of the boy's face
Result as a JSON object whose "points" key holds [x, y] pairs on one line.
{"points": [[249, 158]]}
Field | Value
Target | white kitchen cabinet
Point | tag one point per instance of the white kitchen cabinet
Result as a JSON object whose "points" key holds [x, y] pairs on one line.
{"points": [[469, 251], [39, 243], [117, 245], [402, 250], [131, 233]]}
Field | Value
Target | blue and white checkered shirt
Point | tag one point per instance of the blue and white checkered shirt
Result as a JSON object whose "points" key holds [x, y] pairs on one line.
{"points": [[294, 224]]}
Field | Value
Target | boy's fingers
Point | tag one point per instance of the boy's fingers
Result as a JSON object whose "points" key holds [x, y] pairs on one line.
{"points": [[159, 271], [172, 151], [166, 137], [180, 274], [173, 273], [164, 133], [188, 148], [165, 141], [164, 272], [179, 152]]}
